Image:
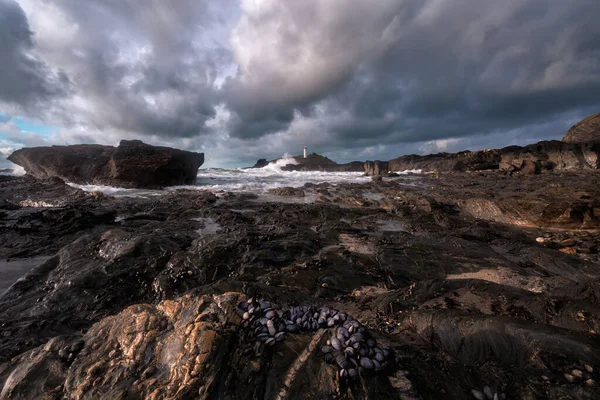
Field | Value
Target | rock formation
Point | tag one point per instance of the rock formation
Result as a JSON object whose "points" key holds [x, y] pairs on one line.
{"points": [[133, 164], [376, 168], [531, 159], [287, 191], [550, 155], [580, 149], [261, 163], [463, 161], [315, 162], [587, 130]]}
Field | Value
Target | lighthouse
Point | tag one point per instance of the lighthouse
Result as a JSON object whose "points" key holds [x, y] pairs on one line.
{"points": [[305, 152]]}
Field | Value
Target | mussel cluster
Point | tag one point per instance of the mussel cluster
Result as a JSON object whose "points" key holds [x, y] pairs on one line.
{"points": [[350, 347]]}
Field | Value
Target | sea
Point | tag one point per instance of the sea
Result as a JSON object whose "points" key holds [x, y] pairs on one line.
{"points": [[254, 180]]}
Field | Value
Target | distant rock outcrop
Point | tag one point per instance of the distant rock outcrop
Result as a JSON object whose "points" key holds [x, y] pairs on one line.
{"points": [[133, 164], [261, 163], [463, 161], [315, 162], [587, 130], [530, 160], [580, 149]]}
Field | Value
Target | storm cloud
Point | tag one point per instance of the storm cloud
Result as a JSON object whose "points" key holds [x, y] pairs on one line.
{"points": [[255, 78], [24, 79]]}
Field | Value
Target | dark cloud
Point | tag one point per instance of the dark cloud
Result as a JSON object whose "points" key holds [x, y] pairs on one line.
{"points": [[241, 78], [24, 80], [416, 71], [138, 67]]}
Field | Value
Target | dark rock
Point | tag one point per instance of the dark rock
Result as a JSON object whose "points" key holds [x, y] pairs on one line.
{"points": [[39, 373], [135, 301], [376, 168], [133, 164], [531, 167], [314, 162], [550, 155], [287, 191], [535, 158], [459, 162], [261, 163], [587, 130]]}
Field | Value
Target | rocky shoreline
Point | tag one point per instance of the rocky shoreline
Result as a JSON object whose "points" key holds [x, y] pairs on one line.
{"points": [[578, 150], [529, 160], [475, 283]]}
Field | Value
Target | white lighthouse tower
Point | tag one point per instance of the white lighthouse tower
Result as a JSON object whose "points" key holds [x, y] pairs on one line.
{"points": [[305, 152]]}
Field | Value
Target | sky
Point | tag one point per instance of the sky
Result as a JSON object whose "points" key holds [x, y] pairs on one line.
{"points": [[246, 79]]}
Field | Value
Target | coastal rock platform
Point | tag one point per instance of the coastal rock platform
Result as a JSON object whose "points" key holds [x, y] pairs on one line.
{"points": [[474, 283]]}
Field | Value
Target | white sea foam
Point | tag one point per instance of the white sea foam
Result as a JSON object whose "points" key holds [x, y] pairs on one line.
{"points": [[409, 171], [258, 181], [16, 171], [276, 167], [262, 179], [255, 180], [115, 191]]}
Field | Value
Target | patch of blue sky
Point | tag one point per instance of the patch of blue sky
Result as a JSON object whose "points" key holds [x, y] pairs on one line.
{"points": [[32, 126], [28, 126]]}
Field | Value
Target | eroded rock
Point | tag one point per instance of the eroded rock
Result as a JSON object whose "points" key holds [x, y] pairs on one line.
{"points": [[132, 164], [586, 130]]}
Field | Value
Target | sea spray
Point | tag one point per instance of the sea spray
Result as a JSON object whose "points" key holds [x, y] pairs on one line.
{"points": [[16, 171], [276, 166], [257, 181]]}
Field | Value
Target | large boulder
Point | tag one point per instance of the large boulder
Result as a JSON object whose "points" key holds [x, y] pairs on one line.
{"points": [[133, 164], [587, 130]]}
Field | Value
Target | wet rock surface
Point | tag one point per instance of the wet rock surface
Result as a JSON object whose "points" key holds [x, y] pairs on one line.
{"points": [[470, 285], [287, 191]]}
